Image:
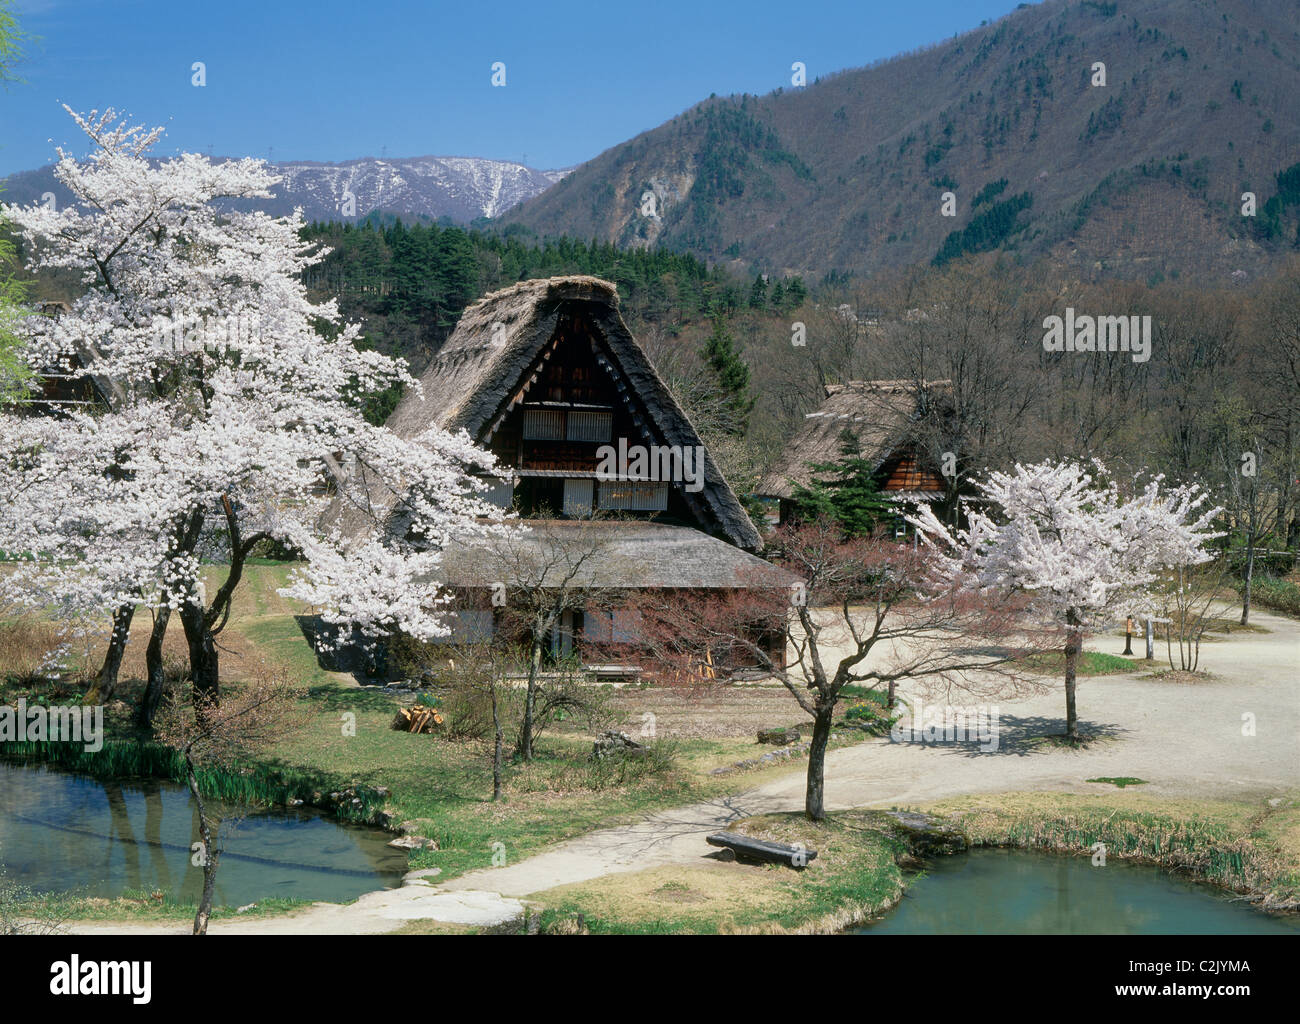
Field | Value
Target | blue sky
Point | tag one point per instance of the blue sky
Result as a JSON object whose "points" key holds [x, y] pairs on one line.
{"points": [[335, 80]]}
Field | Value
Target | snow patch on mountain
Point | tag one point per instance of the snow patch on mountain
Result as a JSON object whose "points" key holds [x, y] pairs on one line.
{"points": [[461, 188], [458, 187]]}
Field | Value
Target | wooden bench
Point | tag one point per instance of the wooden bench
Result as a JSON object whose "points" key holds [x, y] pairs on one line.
{"points": [[613, 673], [761, 850]]}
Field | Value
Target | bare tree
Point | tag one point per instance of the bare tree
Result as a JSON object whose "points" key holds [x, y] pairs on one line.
{"points": [[547, 572], [1185, 597], [254, 717], [472, 671], [1275, 359], [1249, 479], [861, 614]]}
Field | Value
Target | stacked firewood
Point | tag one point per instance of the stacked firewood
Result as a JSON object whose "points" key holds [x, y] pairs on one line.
{"points": [[417, 719]]}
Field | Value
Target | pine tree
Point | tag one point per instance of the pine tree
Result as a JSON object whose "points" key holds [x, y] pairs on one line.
{"points": [[723, 357], [844, 491], [758, 293], [795, 293]]}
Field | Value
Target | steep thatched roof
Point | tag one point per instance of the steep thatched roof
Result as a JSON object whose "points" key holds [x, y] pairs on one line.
{"points": [[620, 554], [880, 413], [483, 371]]}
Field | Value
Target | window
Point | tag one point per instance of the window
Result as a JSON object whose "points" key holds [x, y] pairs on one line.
{"points": [[543, 425], [500, 492], [590, 426], [612, 626], [634, 496], [577, 498]]}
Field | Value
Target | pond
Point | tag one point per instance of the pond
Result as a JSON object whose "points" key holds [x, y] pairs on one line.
{"points": [[1012, 892], [64, 832]]}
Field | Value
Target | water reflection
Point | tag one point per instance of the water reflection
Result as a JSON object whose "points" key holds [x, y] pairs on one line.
{"points": [[1010, 892], [66, 832]]}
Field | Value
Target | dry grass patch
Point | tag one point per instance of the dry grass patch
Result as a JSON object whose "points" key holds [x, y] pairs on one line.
{"points": [[25, 644], [854, 876]]}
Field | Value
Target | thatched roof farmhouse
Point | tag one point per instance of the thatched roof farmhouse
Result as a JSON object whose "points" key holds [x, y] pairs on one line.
{"points": [[887, 418], [547, 376]]}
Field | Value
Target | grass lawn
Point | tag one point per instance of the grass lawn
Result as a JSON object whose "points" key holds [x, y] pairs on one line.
{"points": [[442, 786], [1090, 663], [445, 786], [144, 908]]}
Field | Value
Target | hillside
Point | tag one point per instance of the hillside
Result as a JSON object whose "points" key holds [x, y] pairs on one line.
{"points": [[1138, 178], [428, 187]]}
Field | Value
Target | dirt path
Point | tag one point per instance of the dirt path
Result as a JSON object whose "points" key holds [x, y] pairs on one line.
{"points": [[1185, 739]]}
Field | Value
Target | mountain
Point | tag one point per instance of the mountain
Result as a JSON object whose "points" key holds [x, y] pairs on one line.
{"points": [[461, 188], [1141, 177]]}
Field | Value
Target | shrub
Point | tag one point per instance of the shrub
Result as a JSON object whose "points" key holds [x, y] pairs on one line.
{"points": [[600, 773], [1279, 595], [1267, 563], [560, 697], [468, 709], [871, 716]]}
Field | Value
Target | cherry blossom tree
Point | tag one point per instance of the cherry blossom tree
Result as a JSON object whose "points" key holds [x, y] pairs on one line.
{"points": [[1084, 552], [235, 415]]}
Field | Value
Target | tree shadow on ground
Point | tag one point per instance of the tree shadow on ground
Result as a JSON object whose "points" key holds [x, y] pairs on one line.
{"points": [[1020, 737], [366, 667]]}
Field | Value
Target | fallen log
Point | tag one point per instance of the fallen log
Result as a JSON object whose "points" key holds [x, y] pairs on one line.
{"points": [[761, 850]]}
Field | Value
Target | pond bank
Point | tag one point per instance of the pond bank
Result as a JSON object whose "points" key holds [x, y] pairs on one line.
{"points": [[101, 840], [860, 872], [1250, 849], [253, 785]]}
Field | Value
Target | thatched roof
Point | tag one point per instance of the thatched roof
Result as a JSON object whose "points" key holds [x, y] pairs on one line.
{"points": [[620, 554], [881, 414], [483, 371]]}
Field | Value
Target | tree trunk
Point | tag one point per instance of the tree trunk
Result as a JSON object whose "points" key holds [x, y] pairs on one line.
{"points": [[496, 753], [103, 690], [1250, 576], [1073, 645], [153, 660], [203, 658], [210, 854], [814, 800], [530, 703]]}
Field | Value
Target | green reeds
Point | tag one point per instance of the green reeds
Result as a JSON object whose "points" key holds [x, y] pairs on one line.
{"points": [[251, 785]]}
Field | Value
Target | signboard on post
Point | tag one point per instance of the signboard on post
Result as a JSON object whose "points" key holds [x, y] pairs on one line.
{"points": [[1150, 635]]}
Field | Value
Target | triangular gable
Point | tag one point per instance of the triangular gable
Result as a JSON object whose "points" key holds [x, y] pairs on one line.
{"points": [[496, 352]]}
